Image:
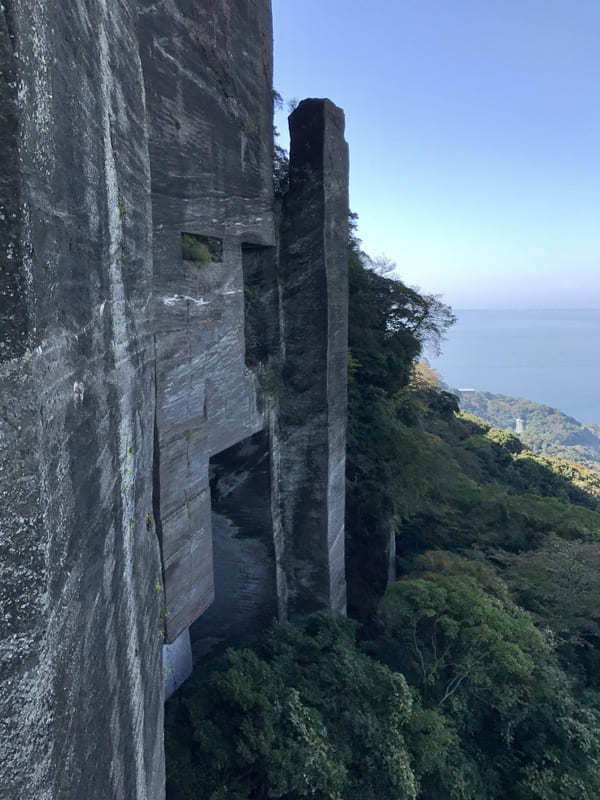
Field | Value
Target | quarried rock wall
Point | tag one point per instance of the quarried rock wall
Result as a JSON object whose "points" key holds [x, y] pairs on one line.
{"points": [[208, 76], [154, 327], [80, 655]]}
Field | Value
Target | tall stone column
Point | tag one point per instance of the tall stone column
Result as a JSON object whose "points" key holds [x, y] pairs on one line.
{"points": [[314, 286]]}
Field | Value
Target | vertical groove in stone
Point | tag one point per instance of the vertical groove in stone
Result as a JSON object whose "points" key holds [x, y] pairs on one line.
{"points": [[154, 524]]}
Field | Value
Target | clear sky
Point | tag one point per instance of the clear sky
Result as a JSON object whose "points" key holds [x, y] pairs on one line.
{"points": [[474, 132]]}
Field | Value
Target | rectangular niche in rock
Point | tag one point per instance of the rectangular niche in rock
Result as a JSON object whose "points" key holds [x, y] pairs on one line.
{"points": [[261, 304], [244, 552], [201, 250]]}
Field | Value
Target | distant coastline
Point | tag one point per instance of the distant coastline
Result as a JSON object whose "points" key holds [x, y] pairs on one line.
{"points": [[547, 431], [548, 356]]}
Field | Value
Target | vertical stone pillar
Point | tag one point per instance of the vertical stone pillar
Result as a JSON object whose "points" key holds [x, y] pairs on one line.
{"points": [[314, 284]]}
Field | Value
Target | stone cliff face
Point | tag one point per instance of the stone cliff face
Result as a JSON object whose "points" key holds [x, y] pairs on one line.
{"points": [[81, 696], [208, 87], [172, 373]]}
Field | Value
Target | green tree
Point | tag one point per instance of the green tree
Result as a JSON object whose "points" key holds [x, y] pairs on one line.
{"points": [[388, 325], [459, 640], [307, 715], [559, 582], [479, 660]]}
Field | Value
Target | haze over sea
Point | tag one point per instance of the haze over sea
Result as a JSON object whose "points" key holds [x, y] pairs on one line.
{"points": [[548, 356]]}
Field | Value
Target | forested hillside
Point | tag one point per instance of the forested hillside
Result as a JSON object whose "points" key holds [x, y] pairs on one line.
{"points": [[475, 675], [547, 430]]}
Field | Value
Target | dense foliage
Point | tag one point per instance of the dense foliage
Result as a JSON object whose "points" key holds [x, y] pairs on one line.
{"points": [[388, 324], [547, 431], [476, 674], [481, 663], [305, 714]]}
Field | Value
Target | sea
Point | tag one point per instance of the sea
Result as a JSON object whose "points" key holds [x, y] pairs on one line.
{"points": [[548, 356]]}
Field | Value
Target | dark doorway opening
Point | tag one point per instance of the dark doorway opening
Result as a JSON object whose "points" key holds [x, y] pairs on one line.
{"points": [[244, 555]]}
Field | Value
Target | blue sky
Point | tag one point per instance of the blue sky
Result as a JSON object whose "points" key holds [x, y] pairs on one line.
{"points": [[474, 132]]}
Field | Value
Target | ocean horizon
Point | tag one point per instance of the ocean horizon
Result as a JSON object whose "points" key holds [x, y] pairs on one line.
{"points": [[548, 356]]}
